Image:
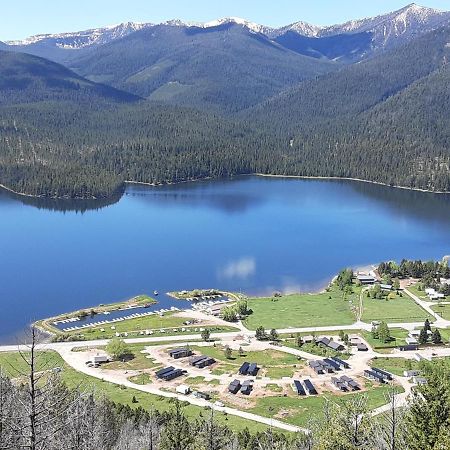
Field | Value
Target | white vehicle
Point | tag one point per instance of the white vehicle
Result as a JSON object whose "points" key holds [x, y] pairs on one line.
{"points": [[219, 404]]}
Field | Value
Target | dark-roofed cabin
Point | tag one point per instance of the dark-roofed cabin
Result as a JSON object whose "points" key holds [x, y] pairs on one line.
{"points": [[310, 387], [374, 376], [324, 341], [366, 279], [339, 384], [299, 388], [180, 353], [341, 362], [362, 347], [383, 373], [161, 372], [207, 361], [244, 368], [234, 386], [253, 369], [316, 366], [408, 348], [332, 363], [247, 387], [167, 376]]}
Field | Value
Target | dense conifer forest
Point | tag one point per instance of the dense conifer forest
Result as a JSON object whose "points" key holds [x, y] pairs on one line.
{"points": [[385, 120]]}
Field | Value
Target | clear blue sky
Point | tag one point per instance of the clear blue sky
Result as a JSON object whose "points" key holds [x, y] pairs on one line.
{"points": [[22, 18]]}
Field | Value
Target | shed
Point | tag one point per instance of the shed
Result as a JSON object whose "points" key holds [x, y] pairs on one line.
{"points": [[244, 368], [183, 389], [362, 347], [299, 388], [310, 387], [253, 369], [234, 386], [247, 387]]}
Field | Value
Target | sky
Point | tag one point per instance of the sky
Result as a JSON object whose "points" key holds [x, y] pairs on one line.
{"points": [[22, 18]]}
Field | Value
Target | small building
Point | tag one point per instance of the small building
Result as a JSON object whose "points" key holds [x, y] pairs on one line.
{"points": [[234, 386], [177, 353], [351, 383], [366, 279], [202, 395], [310, 387], [372, 375], [329, 343], [164, 370], [100, 359], [247, 387], [420, 380], [411, 341], [316, 366], [332, 363], [411, 373], [183, 389], [169, 373], [408, 348], [243, 370], [299, 388], [204, 362], [383, 373], [339, 384], [253, 369], [307, 339], [362, 347], [386, 287], [341, 362], [354, 341]]}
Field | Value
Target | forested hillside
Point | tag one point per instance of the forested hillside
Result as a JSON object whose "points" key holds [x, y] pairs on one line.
{"points": [[226, 67], [384, 120]]}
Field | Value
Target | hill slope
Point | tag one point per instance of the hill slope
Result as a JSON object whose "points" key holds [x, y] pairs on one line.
{"points": [[226, 66], [25, 78]]}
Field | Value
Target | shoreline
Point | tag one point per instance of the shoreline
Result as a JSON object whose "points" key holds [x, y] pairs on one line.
{"points": [[266, 175]]}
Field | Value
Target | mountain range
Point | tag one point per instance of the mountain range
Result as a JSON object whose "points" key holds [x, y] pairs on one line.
{"points": [[83, 112]]}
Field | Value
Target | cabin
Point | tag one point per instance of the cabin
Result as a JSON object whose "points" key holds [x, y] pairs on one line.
{"points": [[420, 380], [316, 366], [351, 383], [383, 373], [202, 361], [169, 373], [366, 279], [329, 343], [234, 386], [411, 341], [371, 375], [180, 353], [100, 359], [307, 339], [411, 373], [162, 371], [253, 369], [310, 387], [362, 347], [354, 341], [247, 387], [244, 368], [299, 388], [183, 389], [408, 348], [332, 363], [339, 384], [341, 362], [202, 395], [386, 287]]}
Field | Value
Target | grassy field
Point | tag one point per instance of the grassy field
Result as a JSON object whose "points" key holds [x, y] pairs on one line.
{"points": [[13, 365], [399, 335], [303, 310], [395, 365], [442, 310], [299, 411], [398, 309], [168, 322], [273, 363], [421, 294], [120, 394]]}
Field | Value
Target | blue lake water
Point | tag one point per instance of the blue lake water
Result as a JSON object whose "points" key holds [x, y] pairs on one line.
{"points": [[251, 234]]}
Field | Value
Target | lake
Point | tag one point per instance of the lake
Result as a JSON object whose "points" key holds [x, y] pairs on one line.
{"points": [[250, 234]]}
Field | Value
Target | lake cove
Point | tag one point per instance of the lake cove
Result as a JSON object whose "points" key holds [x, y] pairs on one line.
{"points": [[252, 234]]}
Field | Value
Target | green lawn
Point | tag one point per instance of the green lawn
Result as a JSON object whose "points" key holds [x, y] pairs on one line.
{"points": [[168, 322], [442, 310], [399, 309], [273, 363], [399, 335], [303, 310], [119, 394], [136, 360], [395, 365], [299, 411], [13, 365]]}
